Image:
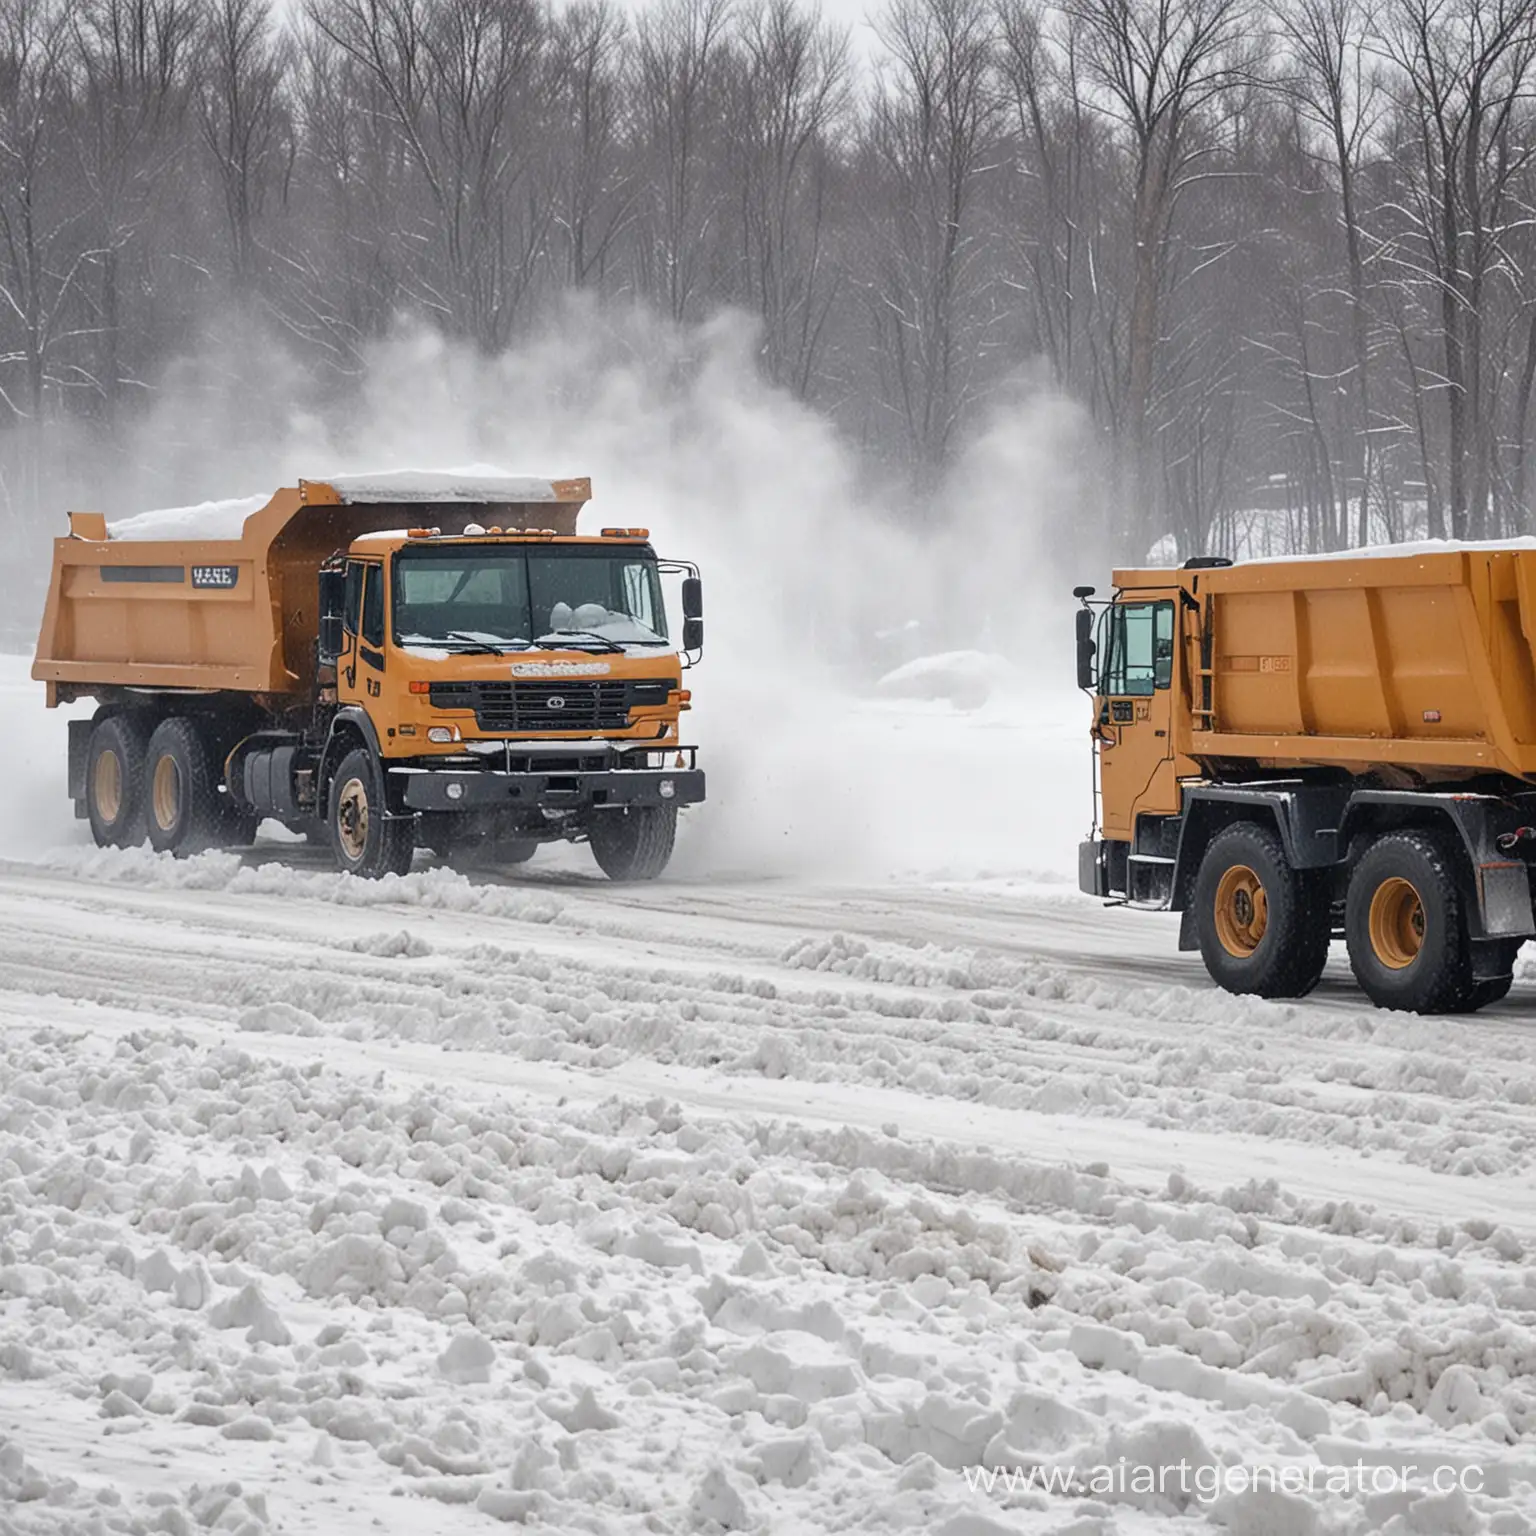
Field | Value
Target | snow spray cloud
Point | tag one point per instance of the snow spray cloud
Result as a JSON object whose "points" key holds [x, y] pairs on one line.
{"points": [[817, 579]]}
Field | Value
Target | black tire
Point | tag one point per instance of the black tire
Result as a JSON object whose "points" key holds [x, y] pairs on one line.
{"points": [[1274, 943], [635, 843], [239, 830], [1412, 954], [114, 781], [365, 839], [1484, 992], [183, 809]]}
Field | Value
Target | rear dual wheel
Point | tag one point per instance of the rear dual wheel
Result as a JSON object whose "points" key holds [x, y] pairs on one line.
{"points": [[114, 781], [163, 782], [1405, 923]]}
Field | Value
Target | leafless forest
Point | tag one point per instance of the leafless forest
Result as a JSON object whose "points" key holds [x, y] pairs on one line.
{"points": [[1283, 258]]}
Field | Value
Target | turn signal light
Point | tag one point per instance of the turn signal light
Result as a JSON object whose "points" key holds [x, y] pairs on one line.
{"points": [[419, 533], [418, 686]]}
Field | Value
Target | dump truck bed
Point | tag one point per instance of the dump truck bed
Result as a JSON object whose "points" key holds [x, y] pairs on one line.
{"points": [[155, 602], [1420, 661]]}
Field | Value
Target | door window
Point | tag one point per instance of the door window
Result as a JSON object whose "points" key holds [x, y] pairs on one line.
{"points": [[373, 607], [1137, 647], [353, 601]]}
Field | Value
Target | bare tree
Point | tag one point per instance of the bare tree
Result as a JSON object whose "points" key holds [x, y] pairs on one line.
{"points": [[245, 121], [593, 185], [135, 59], [1339, 93], [932, 140], [460, 83], [1157, 65], [789, 92], [1465, 70], [42, 254]]}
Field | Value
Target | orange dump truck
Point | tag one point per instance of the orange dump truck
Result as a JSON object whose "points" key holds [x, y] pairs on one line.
{"points": [[1294, 751], [378, 661]]}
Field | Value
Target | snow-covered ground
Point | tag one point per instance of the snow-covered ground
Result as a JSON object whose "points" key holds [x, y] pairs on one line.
{"points": [[750, 1200]]}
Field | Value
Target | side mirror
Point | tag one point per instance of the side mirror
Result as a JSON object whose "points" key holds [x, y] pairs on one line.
{"points": [[330, 637], [1082, 594], [693, 600], [693, 634], [333, 598], [1085, 649]]}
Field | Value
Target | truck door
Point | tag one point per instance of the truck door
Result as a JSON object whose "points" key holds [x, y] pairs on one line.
{"points": [[1135, 714], [361, 664]]}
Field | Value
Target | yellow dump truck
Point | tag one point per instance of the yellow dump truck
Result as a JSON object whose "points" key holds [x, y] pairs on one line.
{"points": [[1294, 751], [379, 661]]}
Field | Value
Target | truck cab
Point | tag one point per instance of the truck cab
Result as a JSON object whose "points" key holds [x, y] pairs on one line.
{"points": [[514, 685]]}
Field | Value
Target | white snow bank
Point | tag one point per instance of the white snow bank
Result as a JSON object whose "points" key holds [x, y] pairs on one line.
{"points": [[966, 678]]}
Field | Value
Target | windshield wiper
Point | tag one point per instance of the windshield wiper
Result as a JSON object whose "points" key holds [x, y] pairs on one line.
{"points": [[587, 634], [475, 642]]}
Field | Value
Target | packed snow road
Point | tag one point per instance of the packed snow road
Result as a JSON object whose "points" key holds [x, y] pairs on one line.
{"points": [[928, 1203], [731, 1205]]}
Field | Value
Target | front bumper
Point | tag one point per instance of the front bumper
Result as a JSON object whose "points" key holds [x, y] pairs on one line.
{"points": [[481, 789]]}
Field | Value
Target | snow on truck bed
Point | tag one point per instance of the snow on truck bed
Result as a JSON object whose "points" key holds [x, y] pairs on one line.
{"points": [[225, 519], [434, 1205]]}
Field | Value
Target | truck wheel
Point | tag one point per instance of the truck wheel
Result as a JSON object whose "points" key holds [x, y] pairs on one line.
{"points": [[182, 804], [1404, 926], [1263, 926], [114, 782], [366, 840], [633, 844]]}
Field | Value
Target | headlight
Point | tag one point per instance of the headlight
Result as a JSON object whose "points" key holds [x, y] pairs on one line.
{"points": [[668, 789], [454, 789], [443, 733]]}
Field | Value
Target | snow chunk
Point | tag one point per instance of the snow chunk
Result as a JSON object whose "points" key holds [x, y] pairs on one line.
{"points": [[157, 1273], [194, 1287], [585, 1413], [353, 1266], [1104, 1349], [1167, 1455], [799, 1365], [468, 1358], [719, 1499], [278, 1019], [250, 1427], [1457, 1398]]}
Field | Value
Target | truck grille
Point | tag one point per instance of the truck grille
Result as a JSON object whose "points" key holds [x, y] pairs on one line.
{"points": [[553, 705]]}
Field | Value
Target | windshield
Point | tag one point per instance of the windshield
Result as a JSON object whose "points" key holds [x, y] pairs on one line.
{"points": [[465, 596]]}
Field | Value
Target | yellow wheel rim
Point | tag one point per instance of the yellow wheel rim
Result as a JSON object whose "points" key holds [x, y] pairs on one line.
{"points": [[165, 792], [1397, 923], [107, 785], [352, 819], [1242, 911]]}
